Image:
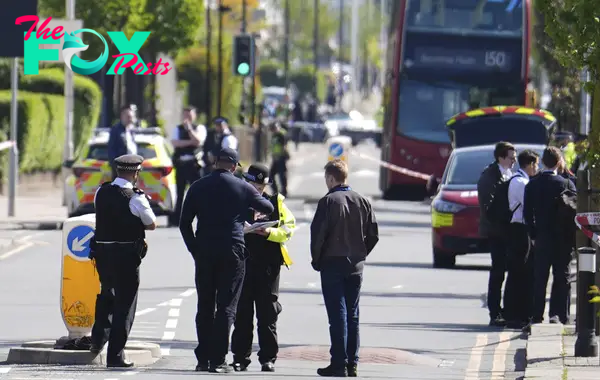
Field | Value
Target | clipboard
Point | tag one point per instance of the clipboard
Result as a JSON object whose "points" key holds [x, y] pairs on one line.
{"points": [[249, 228]]}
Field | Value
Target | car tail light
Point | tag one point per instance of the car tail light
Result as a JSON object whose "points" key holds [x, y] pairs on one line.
{"points": [[164, 171], [78, 172]]}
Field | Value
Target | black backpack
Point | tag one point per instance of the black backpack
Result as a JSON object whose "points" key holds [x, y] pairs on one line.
{"points": [[498, 211], [566, 210]]}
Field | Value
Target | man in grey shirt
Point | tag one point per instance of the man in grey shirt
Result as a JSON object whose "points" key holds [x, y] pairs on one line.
{"points": [[343, 233]]}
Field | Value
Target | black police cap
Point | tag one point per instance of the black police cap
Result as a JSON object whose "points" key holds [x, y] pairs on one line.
{"points": [[258, 173], [129, 162], [228, 155], [219, 120]]}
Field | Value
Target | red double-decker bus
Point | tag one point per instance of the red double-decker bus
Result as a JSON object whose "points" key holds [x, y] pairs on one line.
{"points": [[446, 57]]}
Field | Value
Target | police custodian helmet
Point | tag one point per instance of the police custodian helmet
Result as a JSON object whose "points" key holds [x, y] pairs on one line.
{"points": [[129, 162]]}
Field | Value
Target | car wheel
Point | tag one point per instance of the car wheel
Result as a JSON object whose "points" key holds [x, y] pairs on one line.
{"points": [[443, 260]]}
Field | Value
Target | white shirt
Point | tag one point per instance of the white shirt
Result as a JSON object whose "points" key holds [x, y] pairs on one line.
{"points": [[200, 131], [229, 141], [516, 195], [138, 204], [506, 173], [131, 145]]}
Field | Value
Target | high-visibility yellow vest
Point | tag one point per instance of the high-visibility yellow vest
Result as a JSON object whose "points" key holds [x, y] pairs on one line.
{"points": [[284, 230]]}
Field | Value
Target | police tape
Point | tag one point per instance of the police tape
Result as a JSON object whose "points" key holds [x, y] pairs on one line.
{"points": [[395, 168], [587, 219], [6, 145]]}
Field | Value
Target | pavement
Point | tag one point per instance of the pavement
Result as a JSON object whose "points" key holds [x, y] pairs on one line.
{"points": [[417, 322]]}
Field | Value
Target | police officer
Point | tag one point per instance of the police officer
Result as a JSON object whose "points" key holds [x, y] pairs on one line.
{"points": [[267, 253], [219, 202], [219, 138], [188, 139], [280, 156], [123, 214]]}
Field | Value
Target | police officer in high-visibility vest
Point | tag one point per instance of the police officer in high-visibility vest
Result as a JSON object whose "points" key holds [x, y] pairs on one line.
{"points": [[267, 253], [279, 156], [123, 214]]}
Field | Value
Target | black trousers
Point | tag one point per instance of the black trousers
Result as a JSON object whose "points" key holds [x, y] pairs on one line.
{"points": [[497, 273], [261, 288], [118, 269], [547, 257], [219, 279], [518, 293], [279, 168], [186, 173]]}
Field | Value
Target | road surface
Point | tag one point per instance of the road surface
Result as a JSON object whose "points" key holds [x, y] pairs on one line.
{"points": [[416, 322]]}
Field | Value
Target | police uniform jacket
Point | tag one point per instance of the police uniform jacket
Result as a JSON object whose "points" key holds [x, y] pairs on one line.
{"points": [[219, 202], [271, 250], [113, 223]]}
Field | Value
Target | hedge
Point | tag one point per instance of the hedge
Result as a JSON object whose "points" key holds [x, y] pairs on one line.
{"points": [[87, 102], [41, 129], [302, 78]]}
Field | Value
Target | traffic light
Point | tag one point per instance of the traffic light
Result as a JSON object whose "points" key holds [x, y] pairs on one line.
{"points": [[243, 55]]}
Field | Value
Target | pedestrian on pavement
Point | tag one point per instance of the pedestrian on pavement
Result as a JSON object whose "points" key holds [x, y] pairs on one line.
{"points": [[267, 253], [123, 214], [187, 139], [541, 213], [342, 234], [121, 138], [519, 281], [495, 173], [279, 158], [219, 202]]}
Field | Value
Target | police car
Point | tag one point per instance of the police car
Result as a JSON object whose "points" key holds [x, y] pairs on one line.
{"points": [[354, 125], [91, 169]]}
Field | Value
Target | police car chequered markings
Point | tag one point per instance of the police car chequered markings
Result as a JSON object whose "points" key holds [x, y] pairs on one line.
{"points": [[336, 149], [78, 241]]}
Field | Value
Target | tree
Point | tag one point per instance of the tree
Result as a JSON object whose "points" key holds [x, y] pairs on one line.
{"points": [[102, 16], [564, 81], [574, 27], [232, 20]]}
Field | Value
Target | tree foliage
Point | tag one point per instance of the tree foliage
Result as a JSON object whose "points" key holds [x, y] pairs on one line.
{"points": [[574, 27], [564, 81]]}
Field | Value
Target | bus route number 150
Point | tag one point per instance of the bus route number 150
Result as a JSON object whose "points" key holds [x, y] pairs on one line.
{"points": [[495, 58]]}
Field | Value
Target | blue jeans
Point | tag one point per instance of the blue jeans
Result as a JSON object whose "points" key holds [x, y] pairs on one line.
{"points": [[340, 282]]}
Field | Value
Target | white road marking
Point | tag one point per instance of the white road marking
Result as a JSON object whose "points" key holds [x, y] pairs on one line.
{"points": [[312, 285], [165, 350], [145, 311], [499, 360], [130, 373], [309, 212], [171, 323], [175, 302], [364, 173], [166, 303], [317, 174], [398, 287], [5, 370], [168, 335], [173, 313], [14, 251], [472, 372], [188, 292], [446, 363]]}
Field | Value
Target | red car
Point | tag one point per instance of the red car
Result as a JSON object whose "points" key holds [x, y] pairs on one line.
{"points": [[455, 207]]}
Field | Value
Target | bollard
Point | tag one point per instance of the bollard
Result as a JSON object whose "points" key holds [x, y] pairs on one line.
{"points": [[80, 283], [586, 344], [338, 147]]}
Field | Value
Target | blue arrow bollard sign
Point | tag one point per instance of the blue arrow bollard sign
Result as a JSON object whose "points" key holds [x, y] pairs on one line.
{"points": [[336, 150], [78, 240]]}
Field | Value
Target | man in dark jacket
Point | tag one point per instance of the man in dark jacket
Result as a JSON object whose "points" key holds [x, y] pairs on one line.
{"points": [[342, 234], [121, 139], [219, 202], [541, 216], [495, 173]]}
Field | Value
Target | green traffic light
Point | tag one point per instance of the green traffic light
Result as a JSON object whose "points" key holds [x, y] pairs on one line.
{"points": [[243, 69]]}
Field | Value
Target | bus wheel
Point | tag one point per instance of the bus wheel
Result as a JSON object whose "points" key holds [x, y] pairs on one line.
{"points": [[443, 260]]}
